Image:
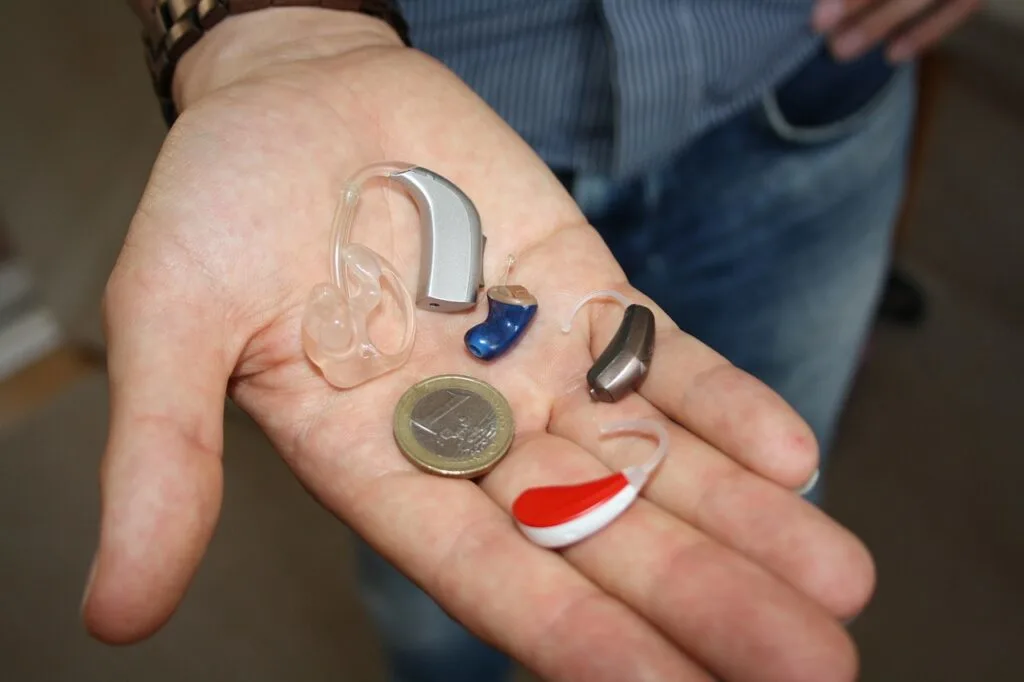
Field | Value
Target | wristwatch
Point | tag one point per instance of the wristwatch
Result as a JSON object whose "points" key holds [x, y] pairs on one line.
{"points": [[171, 27]]}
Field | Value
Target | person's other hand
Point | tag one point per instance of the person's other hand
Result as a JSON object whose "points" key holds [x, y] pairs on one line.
{"points": [[907, 27], [721, 570]]}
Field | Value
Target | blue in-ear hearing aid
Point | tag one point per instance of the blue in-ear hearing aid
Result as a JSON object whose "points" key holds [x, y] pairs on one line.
{"points": [[510, 309]]}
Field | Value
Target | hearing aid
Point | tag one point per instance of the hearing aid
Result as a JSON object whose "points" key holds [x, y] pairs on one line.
{"points": [[335, 323], [625, 361], [558, 516], [510, 309], [451, 241]]}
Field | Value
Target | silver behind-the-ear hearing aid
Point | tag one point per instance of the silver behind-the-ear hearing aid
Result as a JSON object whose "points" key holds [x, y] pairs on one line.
{"points": [[335, 325], [451, 242]]}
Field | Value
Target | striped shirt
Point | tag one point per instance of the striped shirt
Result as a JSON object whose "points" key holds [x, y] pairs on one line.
{"points": [[614, 87]]}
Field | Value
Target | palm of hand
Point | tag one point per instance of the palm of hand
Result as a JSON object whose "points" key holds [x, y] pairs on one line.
{"points": [[230, 237]]}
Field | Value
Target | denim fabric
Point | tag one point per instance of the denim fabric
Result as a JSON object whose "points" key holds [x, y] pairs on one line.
{"points": [[768, 239]]}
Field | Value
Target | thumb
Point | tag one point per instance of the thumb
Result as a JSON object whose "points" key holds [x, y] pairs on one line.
{"points": [[161, 476]]}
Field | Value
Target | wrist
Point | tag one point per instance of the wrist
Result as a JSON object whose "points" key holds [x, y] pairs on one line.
{"points": [[246, 44]]}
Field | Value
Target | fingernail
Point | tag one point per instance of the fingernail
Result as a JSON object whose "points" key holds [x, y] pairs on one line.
{"points": [[811, 482], [827, 14], [88, 584]]}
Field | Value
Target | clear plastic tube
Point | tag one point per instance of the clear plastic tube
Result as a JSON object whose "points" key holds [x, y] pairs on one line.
{"points": [[638, 475], [345, 212], [602, 293], [335, 324]]}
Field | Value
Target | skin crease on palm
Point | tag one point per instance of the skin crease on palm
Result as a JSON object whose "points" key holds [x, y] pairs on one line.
{"points": [[720, 570]]}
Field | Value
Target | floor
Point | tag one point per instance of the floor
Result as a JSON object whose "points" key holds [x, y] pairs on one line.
{"points": [[927, 471]]}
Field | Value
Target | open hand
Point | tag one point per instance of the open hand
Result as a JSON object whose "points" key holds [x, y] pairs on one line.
{"points": [[720, 571]]}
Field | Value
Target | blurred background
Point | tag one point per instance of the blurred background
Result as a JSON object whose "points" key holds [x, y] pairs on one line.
{"points": [[927, 471]]}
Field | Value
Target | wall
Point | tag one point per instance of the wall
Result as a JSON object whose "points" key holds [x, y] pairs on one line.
{"points": [[1007, 11]]}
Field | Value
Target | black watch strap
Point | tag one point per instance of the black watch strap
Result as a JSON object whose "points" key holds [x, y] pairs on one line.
{"points": [[171, 27]]}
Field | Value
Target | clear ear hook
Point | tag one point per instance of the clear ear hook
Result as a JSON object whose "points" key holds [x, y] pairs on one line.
{"points": [[345, 212], [335, 324], [638, 475], [558, 516], [592, 296]]}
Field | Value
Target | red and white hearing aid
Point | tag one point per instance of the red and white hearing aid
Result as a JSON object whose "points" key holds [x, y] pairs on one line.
{"points": [[558, 516]]}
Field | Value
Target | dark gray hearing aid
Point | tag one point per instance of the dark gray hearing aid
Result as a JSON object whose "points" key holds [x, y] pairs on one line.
{"points": [[625, 361], [452, 242]]}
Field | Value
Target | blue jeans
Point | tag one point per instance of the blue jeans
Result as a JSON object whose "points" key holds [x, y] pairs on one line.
{"points": [[769, 240]]}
